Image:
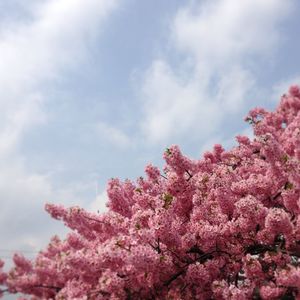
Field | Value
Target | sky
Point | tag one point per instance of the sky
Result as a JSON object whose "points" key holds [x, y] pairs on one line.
{"points": [[96, 89]]}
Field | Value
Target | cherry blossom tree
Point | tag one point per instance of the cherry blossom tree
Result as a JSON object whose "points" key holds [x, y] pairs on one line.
{"points": [[226, 226]]}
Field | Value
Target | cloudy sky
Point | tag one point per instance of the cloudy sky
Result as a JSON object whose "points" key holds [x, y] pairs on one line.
{"points": [[94, 89]]}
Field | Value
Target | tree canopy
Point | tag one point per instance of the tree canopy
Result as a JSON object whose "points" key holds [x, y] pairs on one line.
{"points": [[226, 226]]}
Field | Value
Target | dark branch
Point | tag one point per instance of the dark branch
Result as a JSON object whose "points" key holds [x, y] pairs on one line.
{"points": [[190, 175], [258, 248], [195, 249], [56, 288], [174, 277], [176, 255], [156, 248]]}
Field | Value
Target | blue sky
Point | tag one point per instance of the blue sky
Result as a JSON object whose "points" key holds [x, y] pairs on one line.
{"points": [[94, 89]]}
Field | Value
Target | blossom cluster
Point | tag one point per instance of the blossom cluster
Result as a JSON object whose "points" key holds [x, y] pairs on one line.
{"points": [[226, 226]]}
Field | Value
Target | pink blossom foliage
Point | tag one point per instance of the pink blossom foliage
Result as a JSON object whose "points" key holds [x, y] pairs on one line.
{"points": [[226, 226]]}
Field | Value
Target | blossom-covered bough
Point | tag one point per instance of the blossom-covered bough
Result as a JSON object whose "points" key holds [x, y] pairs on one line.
{"points": [[226, 226]]}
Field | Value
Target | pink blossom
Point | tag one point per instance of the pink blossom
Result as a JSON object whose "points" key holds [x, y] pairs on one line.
{"points": [[271, 292], [278, 221], [225, 226]]}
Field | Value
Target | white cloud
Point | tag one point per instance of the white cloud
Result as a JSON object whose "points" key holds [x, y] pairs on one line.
{"points": [[54, 40], [16, 119], [172, 106], [112, 134], [220, 32], [99, 204], [23, 196], [218, 41], [34, 52], [233, 87]]}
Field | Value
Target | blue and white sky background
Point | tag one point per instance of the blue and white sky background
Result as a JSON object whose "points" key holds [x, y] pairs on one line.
{"points": [[94, 89]]}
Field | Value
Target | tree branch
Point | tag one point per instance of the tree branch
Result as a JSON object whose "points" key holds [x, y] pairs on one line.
{"points": [[174, 277]]}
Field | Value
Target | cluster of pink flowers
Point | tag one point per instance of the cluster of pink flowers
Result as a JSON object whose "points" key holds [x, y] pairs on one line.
{"points": [[226, 226]]}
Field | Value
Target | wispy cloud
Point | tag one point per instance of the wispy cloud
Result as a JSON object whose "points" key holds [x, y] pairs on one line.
{"points": [[31, 53], [111, 134], [221, 32], [219, 42], [99, 204], [35, 52]]}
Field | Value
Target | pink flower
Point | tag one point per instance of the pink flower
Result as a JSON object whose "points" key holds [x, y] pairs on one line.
{"points": [[225, 226]]}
